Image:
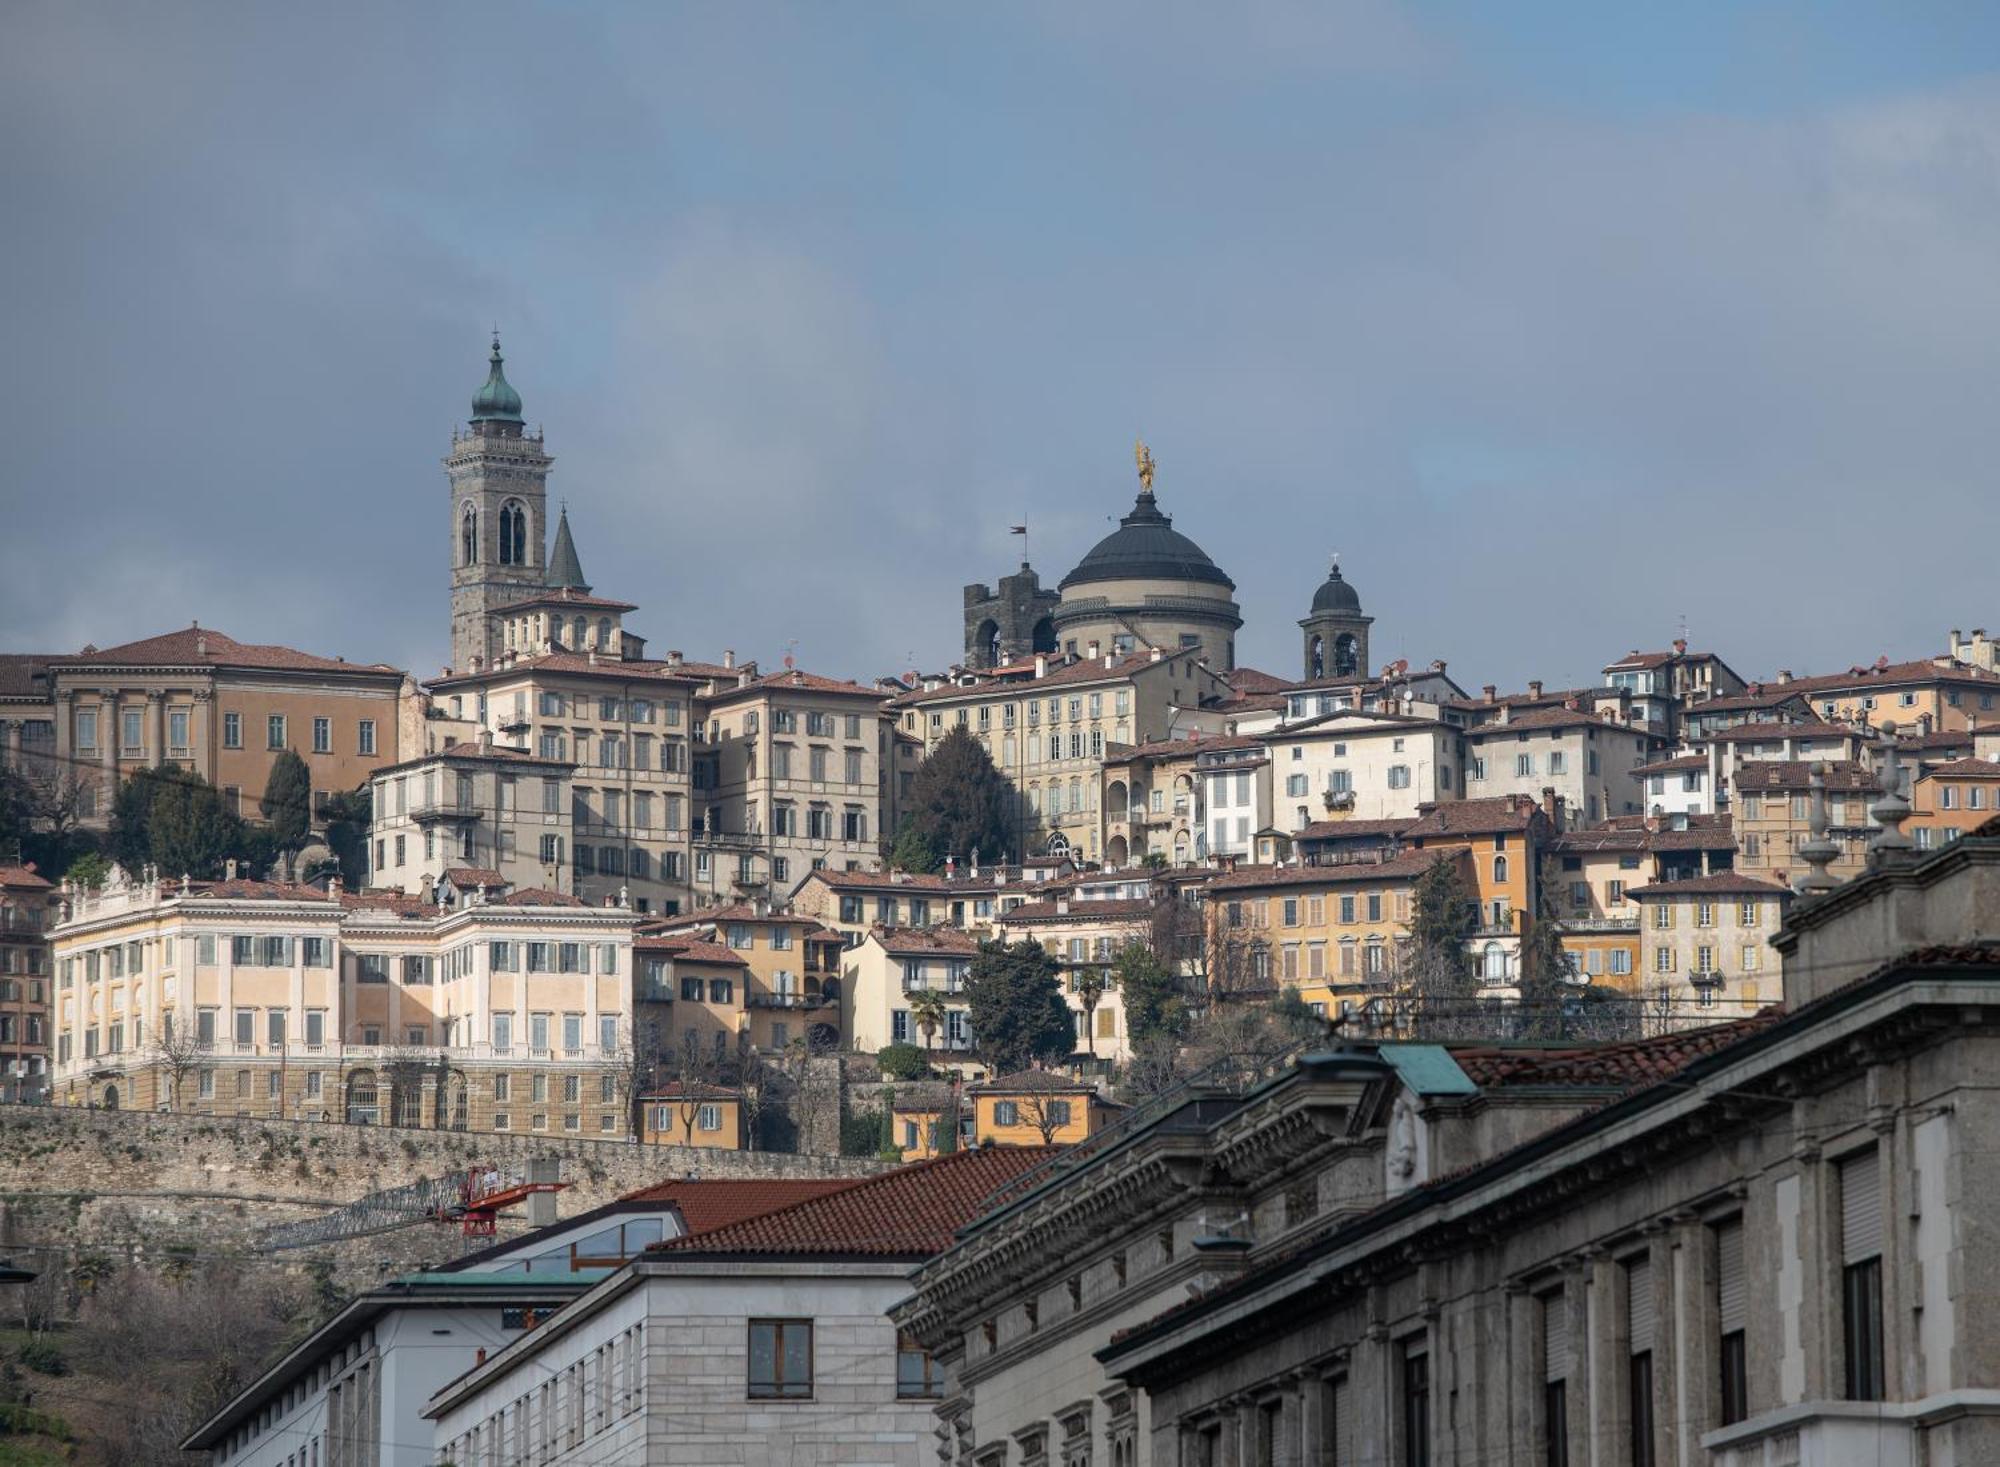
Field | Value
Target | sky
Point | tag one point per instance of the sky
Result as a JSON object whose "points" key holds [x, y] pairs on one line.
{"points": [[1563, 324]]}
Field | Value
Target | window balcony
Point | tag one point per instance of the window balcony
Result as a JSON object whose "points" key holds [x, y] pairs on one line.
{"points": [[1599, 924]]}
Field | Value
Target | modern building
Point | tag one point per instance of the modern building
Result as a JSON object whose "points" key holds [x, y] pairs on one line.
{"points": [[766, 1340]]}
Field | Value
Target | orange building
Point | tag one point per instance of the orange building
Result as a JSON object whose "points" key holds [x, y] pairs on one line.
{"points": [[1951, 799], [792, 983], [1505, 837], [1036, 1108], [691, 1115]]}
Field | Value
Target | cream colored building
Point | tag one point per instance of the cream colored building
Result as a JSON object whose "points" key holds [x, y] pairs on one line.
{"points": [[850, 903], [1086, 936], [628, 728], [1049, 724], [1152, 801], [879, 977], [788, 779], [792, 968], [1361, 766], [1589, 761], [1705, 943], [200, 700], [471, 806], [509, 1014]]}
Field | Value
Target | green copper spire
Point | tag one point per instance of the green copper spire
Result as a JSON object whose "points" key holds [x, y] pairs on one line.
{"points": [[565, 570], [496, 402]]}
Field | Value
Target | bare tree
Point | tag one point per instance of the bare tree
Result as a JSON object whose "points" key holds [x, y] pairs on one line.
{"points": [[179, 1053], [634, 1068], [1045, 1104]]}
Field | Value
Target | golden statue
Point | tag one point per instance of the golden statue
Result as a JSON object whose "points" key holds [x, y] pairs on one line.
{"points": [[1144, 457]]}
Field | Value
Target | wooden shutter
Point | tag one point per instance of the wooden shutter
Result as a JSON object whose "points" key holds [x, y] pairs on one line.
{"points": [[1729, 1283], [1555, 1337], [1861, 1207], [1639, 1304]]}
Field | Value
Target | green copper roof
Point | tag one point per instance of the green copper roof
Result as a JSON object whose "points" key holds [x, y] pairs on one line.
{"points": [[565, 570], [496, 402], [1429, 1069]]}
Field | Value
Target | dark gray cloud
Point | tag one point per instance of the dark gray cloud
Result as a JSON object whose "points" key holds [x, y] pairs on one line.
{"points": [[814, 302]]}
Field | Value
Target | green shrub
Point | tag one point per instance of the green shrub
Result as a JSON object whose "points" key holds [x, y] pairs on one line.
{"points": [[902, 1062], [42, 1357]]}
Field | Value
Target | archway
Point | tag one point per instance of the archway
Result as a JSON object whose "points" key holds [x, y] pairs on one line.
{"points": [[986, 643], [1180, 848], [1316, 658], [1493, 963], [111, 1097], [1043, 638], [1115, 851], [452, 1108], [363, 1099], [1117, 800], [1346, 655]]}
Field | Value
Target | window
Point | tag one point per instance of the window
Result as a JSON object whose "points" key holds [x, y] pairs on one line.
{"points": [[1524, 764], [708, 1118], [1639, 1376], [1006, 1113], [1861, 1274], [1499, 868], [1416, 1407], [781, 1352], [1731, 1316], [1555, 1380], [367, 736], [274, 731], [1399, 776], [322, 735]]}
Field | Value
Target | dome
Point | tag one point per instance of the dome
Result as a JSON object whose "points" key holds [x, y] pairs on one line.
{"points": [[1146, 547], [1336, 595], [496, 401]]}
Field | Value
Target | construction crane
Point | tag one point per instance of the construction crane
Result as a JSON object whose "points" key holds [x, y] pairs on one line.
{"points": [[474, 1199]]}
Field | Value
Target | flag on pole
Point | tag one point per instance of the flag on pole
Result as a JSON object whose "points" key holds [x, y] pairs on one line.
{"points": [[1017, 529]]}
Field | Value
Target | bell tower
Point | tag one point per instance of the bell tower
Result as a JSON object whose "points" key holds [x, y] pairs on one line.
{"points": [[1336, 633], [499, 517]]}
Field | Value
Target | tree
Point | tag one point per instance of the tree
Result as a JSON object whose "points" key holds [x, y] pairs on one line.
{"points": [[1155, 995], [1545, 981], [41, 813], [1045, 1104], [179, 1053], [1090, 987], [959, 803], [1017, 1009], [1443, 915], [346, 813], [88, 869], [287, 804], [175, 820], [902, 1062], [927, 1010]]}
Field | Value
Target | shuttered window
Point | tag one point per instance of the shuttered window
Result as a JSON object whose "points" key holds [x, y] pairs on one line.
{"points": [[1555, 1337], [1639, 1304], [1639, 1335], [1729, 1285], [1861, 1207], [1555, 1371]]}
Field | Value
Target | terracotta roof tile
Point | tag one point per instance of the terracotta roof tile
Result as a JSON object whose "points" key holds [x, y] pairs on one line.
{"points": [[1614, 1066], [205, 647], [911, 1212], [1102, 909], [1352, 829], [1722, 883], [1250, 681], [540, 896], [1748, 702], [1843, 776], [1489, 816], [1549, 718], [1963, 769], [924, 940], [639, 669], [1032, 1082], [24, 878], [706, 1205], [472, 877], [1750, 732], [1406, 867], [1084, 670], [693, 949], [805, 682], [251, 891], [21, 674], [567, 596], [1673, 766]]}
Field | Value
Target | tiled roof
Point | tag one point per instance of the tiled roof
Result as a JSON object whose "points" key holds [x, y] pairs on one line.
{"points": [[24, 878], [1352, 829], [540, 896], [706, 1205], [921, 882], [204, 646], [692, 949], [577, 664], [805, 682], [1963, 769], [567, 596], [677, 1090], [1250, 681], [1032, 1082], [1842, 775], [911, 1212], [1953, 738], [21, 674], [918, 940], [386, 899], [1749, 702], [1636, 660], [1618, 1067], [1600, 838], [1103, 909], [1722, 883], [1672, 766], [1888, 673], [1989, 831], [1713, 833], [251, 891], [1490, 816], [1542, 699], [1750, 732], [1406, 867], [471, 877], [465, 749], [1548, 718], [1084, 670], [1187, 745]]}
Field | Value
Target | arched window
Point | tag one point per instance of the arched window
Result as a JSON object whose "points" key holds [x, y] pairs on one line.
{"points": [[468, 536], [1044, 635], [1316, 659], [362, 1105], [1346, 655], [1499, 868], [603, 633], [1493, 963], [986, 642], [513, 533], [578, 630]]}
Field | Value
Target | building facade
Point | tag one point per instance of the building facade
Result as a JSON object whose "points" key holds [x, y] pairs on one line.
{"points": [[477, 807], [28, 910]]}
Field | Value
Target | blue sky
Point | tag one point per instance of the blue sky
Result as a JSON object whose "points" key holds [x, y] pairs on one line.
{"points": [[1560, 322]]}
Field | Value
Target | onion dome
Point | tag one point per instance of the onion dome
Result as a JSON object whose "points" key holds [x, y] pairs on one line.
{"points": [[1146, 547], [1335, 594], [496, 401]]}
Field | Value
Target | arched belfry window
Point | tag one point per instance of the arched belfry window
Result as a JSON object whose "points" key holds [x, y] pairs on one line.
{"points": [[468, 536], [1316, 666], [1346, 655], [513, 533]]}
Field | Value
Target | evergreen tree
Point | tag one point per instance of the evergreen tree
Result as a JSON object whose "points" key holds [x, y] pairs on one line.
{"points": [[189, 830], [1017, 1009], [959, 803], [1155, 1005], [1443, 914], [1545, 985], [132, 816], [346, 813], [287, 802]]}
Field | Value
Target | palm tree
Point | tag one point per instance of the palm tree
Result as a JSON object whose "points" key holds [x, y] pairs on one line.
{"points": [[1090, 986], [928, 1009]]}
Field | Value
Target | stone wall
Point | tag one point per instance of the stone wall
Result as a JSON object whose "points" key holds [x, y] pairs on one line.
{"points": [[136, 1185]]}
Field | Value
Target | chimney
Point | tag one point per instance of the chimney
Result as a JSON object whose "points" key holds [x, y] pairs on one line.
{"points": [[674, 658], [1680, 646], [1784, 676], [743, 677], [1153, 654], [1437, 666], [1535, 689], [201, 646], [1923, 723], [1108, 660], [1041, 664], [229, 871], [1062, 906], [479, 1357], [485, 738], [729, 657], [593, 654], [1552, 805], [1490, 693], [951, 868], [1093, 649]]}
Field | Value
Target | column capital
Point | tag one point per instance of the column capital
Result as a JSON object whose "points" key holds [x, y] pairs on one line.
{"points": [[156, 695]]}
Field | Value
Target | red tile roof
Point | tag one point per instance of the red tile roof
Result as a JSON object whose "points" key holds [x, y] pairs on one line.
{"points": [[1884, 672], [198, 646], [251, 891], [1549, 718], [1406, 867], [1352, 829], [1842, 775], [1251, 681], [1618, 1067], [706, 1205], [21, 674], [474, 876], [1491, 816], [919, 940], [1722, 883], [911, 1212], [678, 1090], [692, 949], [1672, 766], [1963, 769], [1770, 697], [1747, 732], [579, 664], [540, 896], [920, 882], [1032, 1082], [567, 596], [798, 680], [1084, 670], [24, 878], [1187, 744], [1101, 909]]}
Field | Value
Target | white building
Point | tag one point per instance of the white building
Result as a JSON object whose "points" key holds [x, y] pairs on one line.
{"points": [[475, 806], [765, 1341], [1362, 766]]}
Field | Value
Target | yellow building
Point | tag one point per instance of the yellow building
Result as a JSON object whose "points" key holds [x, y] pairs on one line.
{"points": [[1948, 800], [1773, 810], [1334, 933], [1950, 694], [692, 1115], [698, 1012], [793, 967], [1704, 944], [1036, 1108], [514, 1013], [1504, 838]]}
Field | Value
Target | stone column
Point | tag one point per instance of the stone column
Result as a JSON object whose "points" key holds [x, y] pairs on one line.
{"points": [[107, 745], [156, 726], [1604, 1348], [201, 753]]}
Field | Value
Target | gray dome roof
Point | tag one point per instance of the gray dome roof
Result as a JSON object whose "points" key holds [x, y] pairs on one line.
{"points": [[1146, 546], [1336, 595]]}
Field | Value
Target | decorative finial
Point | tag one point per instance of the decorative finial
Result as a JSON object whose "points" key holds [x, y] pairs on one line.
{"points": [[1143, 456], [1335, 572], [1818, 852], [1889, 843]]}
